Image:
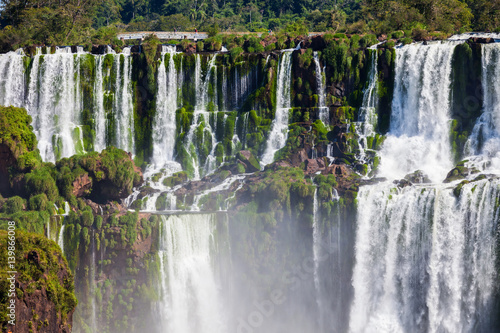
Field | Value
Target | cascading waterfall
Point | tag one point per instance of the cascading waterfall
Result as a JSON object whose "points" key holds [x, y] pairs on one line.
{"points": [[279, 131], [12, 80], [60, 238], [424, 261], [100, 113], [419, 133], [164, 127], [316, 249], [123, 108], [190, 297], [367, 123], [485, 136], [322, 108], [52, 94], [54, 102], [425, 254]]}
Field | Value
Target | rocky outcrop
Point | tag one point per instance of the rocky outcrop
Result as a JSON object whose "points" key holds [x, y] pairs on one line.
{"points": [[461, 171], [82, 185], [249, 161]]}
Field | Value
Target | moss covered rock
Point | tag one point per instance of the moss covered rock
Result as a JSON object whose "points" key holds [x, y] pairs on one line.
{"points": [[44, 285], [17, 145]]}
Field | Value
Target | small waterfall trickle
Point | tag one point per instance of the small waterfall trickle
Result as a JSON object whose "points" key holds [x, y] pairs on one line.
{"points": [[320, 79], [92, 281], [225, 185], [279, 127], [316, 255], [60, 238], [367, 122], [485, 137], [190, 298]]}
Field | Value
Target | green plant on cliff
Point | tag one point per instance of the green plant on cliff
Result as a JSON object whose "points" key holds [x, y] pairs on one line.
{"points": [[41, 267], [17, 134]]}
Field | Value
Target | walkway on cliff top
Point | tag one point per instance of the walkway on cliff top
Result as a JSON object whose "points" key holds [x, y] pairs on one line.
{"points": [[185, 35]]}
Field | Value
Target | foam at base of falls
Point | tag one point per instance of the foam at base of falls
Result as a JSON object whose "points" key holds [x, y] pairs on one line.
{"points": [[424, 262]]}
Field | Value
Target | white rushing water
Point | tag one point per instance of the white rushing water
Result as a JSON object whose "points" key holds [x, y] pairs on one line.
{"points": [[367, 123], [60, 238], [54, 102], [164, 127], [123, 108], [316, 255], [324, 115], [279, 126], [52, 94], [425, 262], [424, 258], [419, 138], [100, 113], [190, 296], [12, 80]]}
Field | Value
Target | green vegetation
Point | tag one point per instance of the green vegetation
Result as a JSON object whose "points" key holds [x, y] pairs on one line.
{"points": [[41, 267], [17, 134], [94, 21]]}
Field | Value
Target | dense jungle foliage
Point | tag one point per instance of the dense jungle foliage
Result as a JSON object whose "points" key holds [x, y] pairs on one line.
{"points": [[29, 22]]}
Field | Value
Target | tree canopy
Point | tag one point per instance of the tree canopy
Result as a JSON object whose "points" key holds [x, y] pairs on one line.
{"points": [[60, 22]]}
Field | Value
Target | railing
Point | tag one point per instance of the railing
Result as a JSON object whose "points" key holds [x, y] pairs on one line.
{"points": [[184, 35]]}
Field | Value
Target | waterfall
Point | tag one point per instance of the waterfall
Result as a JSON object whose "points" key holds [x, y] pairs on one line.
{"points": [[164, 127], [12, 80], [54, 102], [424, 261], [485, 136], [92, 281], [367, 122], [100, 113], [324, 115], [316, 255], [60, 239], [224, 186], [419, 132], [279, 127], [201, 114], [190, 297], [123, 108]]}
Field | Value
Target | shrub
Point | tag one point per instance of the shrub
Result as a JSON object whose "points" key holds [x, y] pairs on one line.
{"points": [[235, 53], [40, 181], [38, 202], [13, 205]]}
